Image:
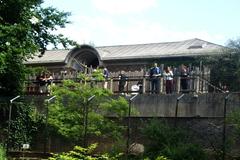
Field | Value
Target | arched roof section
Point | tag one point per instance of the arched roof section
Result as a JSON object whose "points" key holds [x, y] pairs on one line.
{"points": [[84, 54]]}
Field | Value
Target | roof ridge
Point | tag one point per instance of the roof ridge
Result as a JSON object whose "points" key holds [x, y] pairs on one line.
{"points": [[208, 42], [58, 50], [146, 43]]}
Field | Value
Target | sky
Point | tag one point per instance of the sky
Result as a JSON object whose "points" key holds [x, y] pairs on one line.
{"points": [[119, 22]]}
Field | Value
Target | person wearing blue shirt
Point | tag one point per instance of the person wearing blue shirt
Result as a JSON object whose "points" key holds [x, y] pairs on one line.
{"points": [[106, 75], [155, 73]]}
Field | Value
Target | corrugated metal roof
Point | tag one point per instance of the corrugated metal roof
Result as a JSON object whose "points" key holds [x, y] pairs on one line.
{"points": [[51, 56], [157, 50], [192, 47]]}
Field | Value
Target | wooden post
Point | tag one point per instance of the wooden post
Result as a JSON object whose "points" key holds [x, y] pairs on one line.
{"points": [[85, 69], [111, 85], [178, 85], [144, 85], [91, 70], [196, 84], [161, 85]]}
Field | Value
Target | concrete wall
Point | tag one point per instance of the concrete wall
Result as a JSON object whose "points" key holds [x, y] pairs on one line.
{"points": [[203, 105]]}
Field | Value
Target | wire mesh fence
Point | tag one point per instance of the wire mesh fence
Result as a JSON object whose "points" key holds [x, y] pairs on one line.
{"points": [[213, 133]]}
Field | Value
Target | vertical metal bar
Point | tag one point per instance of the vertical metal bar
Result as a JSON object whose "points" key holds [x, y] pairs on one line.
{"points": [[85, 126], [128, 128], [46, 126], [9, 125], [85, 138], [46, 130], [129, 122], [176, 113], [10, 120], [224, 127], [176, 109]]}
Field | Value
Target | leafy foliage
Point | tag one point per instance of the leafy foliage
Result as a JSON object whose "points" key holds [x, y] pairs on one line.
{"points": [[27, 121], [234, 118], [96, 75], [25, 29], [225, 68], [2, 153], [161, 158], [66, 114], [170, 142], [84, 154]]}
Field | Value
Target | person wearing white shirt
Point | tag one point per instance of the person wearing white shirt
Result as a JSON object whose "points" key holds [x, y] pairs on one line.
{"points": [[168, 76]]}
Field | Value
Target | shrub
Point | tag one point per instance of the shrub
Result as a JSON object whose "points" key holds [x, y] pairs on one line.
{"points": [[24, 125], [171, 142], [84, 153], [2, 153]]}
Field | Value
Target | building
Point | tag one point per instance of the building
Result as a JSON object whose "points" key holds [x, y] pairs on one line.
{"points": [[135, 60], [124, 57]]}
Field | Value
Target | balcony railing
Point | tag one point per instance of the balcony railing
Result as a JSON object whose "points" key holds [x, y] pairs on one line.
{"points": [[195, 84]]}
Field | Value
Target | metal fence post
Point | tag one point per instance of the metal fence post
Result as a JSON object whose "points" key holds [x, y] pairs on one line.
{"points": [[129, 122], [86, 121], [10, 120], [176, 109], [224, 127], [46, 125]]}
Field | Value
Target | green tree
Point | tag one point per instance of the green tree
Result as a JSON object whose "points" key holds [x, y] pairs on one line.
{"points": [[225, 68], [66, 114], [25, 29]]}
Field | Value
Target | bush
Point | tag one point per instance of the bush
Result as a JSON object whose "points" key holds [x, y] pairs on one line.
{"points": [[184, 152], [25, 123], [171, 142], [83, 153], [2, 153]]}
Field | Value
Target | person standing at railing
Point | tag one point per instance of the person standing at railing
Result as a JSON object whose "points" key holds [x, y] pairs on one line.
{"points": [[49, 80], [122, 82], [168, 76], [184, 79], [106, 75], [41, 80], [155, 73]]}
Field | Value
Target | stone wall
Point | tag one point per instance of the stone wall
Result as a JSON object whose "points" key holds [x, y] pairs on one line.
{"points": [[191, 105]]}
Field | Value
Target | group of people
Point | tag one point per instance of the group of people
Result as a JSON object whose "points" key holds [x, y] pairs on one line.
{"points": [[155, 73], [44, 81]]}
